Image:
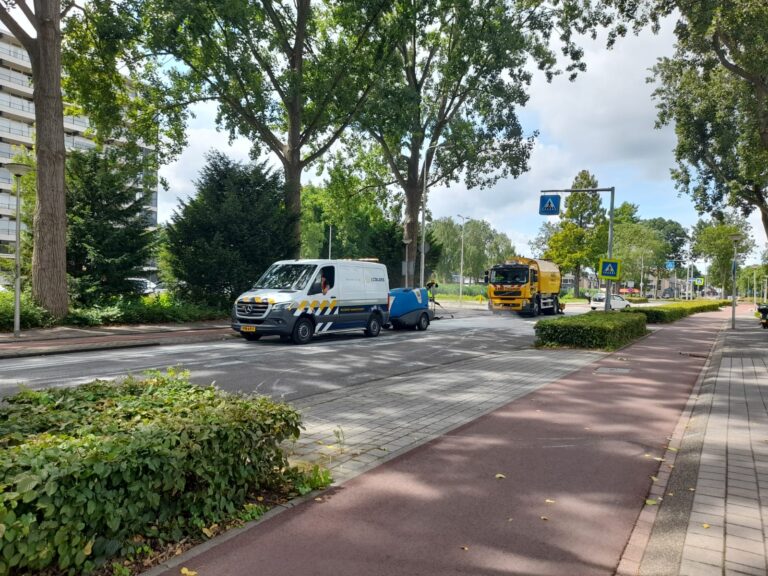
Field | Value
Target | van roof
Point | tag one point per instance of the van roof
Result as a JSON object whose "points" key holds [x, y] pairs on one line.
{"points": [[365, 261]]}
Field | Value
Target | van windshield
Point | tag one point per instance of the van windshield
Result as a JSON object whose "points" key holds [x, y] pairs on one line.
{"points": [[511, 275], [286, 277]]}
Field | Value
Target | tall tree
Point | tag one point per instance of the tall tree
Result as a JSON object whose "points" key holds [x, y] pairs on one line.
{"points": [[213, 250], [580, 239], [49, 277], [107, 235], [640, 249], [674, 235], [714, 240], [715, 91], [289, 76], [463, 71]]}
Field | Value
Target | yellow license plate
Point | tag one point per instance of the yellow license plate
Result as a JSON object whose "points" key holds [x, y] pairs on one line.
{"points": [[247, 328]]}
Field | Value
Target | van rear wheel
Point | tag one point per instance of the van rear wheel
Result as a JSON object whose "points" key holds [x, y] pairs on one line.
{"points": [[373, 327], [302, 331]]}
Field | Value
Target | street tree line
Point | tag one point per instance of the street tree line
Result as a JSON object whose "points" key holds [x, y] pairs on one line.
{"points": [[415, 93], [579, 239]]}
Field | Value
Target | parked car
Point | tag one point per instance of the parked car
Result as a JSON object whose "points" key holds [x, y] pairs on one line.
{"points": [[668, 293], [617, 302], [142, 285]]}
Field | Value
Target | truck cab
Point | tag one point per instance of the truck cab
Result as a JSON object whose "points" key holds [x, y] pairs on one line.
{"points": [[524, 285]]}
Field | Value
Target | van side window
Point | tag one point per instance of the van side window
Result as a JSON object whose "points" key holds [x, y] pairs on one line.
{"points": [[325, 280]]}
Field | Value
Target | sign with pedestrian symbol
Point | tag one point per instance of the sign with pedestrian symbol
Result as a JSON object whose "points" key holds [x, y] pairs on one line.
{"points": [[549, 205], [609, 269], [698, 281]]}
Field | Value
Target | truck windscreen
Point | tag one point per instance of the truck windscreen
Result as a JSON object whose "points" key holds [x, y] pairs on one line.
{"points": [[286, 277], [511, 275]]}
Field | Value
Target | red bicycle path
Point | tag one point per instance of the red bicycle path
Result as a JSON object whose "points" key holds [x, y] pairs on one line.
{"points": [[550, 484]]}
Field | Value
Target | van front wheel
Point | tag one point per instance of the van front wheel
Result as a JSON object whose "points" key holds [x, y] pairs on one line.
{"points": [[374, 326], [302, 331]]}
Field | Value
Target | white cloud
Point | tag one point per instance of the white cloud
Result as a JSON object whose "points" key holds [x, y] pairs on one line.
{"points": [[181, 174]]}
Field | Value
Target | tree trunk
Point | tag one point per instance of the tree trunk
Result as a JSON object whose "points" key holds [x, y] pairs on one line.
{"points": [[577, 282], [411, 231], [49, 276], [292, 172]]}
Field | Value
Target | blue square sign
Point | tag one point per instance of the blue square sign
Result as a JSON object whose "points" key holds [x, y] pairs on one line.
{"points": [[609, 269], [549, 205]]}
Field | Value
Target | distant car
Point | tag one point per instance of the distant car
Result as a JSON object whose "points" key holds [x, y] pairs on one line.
{"points": [[617, 302], [142, 286], [668, 293], [650, 295], [599, 297]]}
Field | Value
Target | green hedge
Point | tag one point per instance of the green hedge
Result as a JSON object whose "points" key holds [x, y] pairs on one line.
{"points": [[147, 309], [87, 472], [604, 330], [676, 310]]}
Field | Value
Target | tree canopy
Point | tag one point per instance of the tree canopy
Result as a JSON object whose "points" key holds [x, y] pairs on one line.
{"points": [[289, 76], [108, 239], [220, 241], [448, 111], [715, 91]]}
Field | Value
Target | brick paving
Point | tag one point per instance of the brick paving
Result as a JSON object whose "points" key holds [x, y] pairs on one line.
{"points": [[355, 429]]}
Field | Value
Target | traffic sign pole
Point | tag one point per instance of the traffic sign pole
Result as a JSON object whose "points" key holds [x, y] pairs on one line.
{"points": [[612, 190]]}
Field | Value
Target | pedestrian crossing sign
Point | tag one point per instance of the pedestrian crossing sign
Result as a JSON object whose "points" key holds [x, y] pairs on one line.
{"points": [[549, 205], [609, 269]]}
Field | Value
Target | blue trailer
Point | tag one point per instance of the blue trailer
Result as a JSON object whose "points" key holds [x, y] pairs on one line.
{"points": [[409, 308]]}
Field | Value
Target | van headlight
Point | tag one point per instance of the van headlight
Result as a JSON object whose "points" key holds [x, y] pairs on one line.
{"points": [[281, 306]]}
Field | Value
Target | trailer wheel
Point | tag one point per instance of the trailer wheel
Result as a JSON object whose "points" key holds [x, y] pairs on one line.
{"points": [[423, 322], [302, 331], [373, 327]]}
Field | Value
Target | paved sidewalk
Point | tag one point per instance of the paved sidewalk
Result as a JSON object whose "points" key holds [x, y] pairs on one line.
{"points": [[551, 483], [714, 515]]}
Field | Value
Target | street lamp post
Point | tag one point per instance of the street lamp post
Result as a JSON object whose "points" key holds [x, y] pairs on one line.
{"points": [[461, 260], [18, 170], [735, 239]]}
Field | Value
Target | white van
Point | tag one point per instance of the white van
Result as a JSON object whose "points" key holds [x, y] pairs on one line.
{"points": [[295, 299]]}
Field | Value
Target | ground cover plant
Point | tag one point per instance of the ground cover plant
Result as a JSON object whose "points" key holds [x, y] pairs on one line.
{"points": [[600, 330], [114, 470]]}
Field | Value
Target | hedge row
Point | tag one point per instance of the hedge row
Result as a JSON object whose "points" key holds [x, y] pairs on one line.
{"points": [[605, 330], [86, 473], [676, 310], [147, 309]]}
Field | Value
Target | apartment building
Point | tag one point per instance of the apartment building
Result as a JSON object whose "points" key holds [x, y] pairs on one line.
{"points": [[17, 117]]}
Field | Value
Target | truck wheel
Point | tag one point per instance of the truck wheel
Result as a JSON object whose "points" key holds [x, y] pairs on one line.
{"points": [[535, 308], [555, 308], [423, 322], [374, 326], [302, 331], [250, 336]]}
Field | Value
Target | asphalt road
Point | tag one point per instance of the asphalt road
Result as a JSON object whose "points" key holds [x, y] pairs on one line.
{"points": [[283, 370]]}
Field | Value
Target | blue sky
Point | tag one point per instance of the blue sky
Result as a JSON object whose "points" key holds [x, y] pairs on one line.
{"points": [[603, 122]]}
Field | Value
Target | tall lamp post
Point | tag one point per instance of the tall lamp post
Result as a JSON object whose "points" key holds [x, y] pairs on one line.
{"points": [[18, 170], [735, 239], [461, 261]]}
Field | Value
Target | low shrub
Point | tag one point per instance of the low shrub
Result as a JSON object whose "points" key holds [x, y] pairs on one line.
{"points": [[637, 299], [603, 330], [31, 315], [675, 310], [472, 290], [91, 472]]}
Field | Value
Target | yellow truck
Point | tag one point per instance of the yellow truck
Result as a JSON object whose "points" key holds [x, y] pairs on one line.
{"points": [[524, 285]]}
